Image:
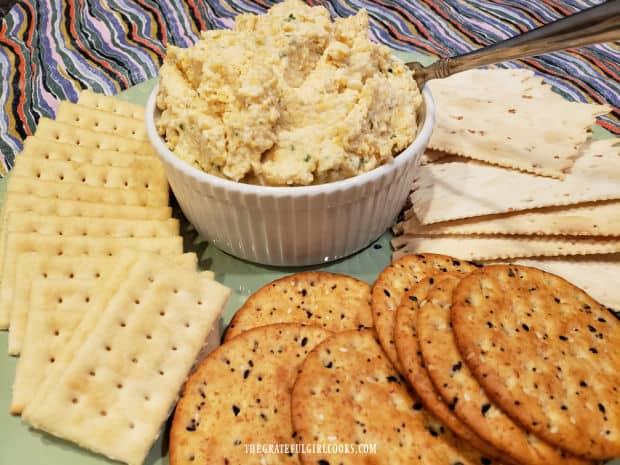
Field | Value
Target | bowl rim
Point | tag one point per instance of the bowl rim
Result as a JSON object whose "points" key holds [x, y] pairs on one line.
{"points": [[419, 143]]}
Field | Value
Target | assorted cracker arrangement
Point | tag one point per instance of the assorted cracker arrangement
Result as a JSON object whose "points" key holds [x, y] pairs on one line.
{"points": [[107, 313], [512, 174], [441, 361]]}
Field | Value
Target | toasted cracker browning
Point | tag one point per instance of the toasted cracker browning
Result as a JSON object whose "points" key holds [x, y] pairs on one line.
{"points": [[348, 389], [241, 394], [395, 280], [407, 343], [334, 301], [459, 389], [511, 319]]}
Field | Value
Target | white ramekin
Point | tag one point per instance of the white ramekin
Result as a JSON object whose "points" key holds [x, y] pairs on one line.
{"points": [[293, 226]]}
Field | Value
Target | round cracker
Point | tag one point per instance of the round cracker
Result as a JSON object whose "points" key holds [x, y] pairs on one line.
{"points": [[454, 381], [348, 392], [410, 357], [240, 394], [546, 353], [395, 280], [335, 301]]}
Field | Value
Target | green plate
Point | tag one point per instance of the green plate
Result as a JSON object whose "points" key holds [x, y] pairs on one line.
{"points": [[21, 445]]}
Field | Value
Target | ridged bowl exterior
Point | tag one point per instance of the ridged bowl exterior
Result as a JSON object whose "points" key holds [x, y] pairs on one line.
{"points": [[293, 226]]}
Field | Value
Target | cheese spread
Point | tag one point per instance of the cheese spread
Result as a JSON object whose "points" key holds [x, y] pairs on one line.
{"points": [[288, 98]]}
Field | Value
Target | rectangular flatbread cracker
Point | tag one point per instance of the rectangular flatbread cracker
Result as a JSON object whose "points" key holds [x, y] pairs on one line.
{"points": [[499, 121], [115, 401], [78, 191], [69, 134], [456, 190], [34, 266], [51, 150], [110, 104], [597, 275], [593, 219], [101, 121], [18, 243], [503, 247]]}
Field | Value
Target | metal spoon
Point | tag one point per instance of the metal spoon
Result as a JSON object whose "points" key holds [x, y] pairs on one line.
{"points": [[594, 25]]}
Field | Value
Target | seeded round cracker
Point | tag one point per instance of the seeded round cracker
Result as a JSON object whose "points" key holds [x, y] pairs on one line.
{"points": [[395, 280], [241, 394], [348, 392], [545, 352], [410, 357], [459, 388], [335, 301]]}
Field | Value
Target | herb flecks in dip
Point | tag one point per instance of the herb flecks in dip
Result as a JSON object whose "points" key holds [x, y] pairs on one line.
{"points": [[287, 98]]}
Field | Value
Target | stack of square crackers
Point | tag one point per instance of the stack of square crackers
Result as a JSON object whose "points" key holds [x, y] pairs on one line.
{"points": [[513, 174], [105, 310]]}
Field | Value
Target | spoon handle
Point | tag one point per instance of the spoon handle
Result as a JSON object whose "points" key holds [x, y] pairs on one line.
{"points": [[597, 24]]}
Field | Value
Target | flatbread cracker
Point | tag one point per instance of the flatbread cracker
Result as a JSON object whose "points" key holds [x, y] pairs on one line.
{"points": [[115, 401], [98, 194], [451, 191], [257, 370], [32, 266], [111, 104], [593, 219], [348, 392], [454, 381], [392, 284], [504, 247], [333, 301], [18, 243], [51, 150], [597, 274], [538, 132], [74, 135], [531, 339], [410, 358], [514, 82], [101, 120]]}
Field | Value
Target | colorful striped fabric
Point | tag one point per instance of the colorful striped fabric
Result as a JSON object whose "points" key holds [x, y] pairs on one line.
{"points": [[50, 49]]}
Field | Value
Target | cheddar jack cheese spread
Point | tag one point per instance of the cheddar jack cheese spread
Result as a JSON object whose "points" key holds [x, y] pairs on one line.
{"points": [[289, 98]]}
